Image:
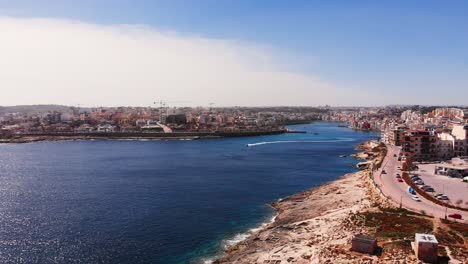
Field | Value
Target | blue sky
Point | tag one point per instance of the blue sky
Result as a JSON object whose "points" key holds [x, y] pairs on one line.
{"points": [[410, 47]]}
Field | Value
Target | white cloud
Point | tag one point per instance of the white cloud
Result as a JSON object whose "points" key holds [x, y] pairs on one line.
{"points": [[67, 62]]}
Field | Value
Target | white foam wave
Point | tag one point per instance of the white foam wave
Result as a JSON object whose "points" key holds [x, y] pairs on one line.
{"points": [[299, 141], [239, 238]]}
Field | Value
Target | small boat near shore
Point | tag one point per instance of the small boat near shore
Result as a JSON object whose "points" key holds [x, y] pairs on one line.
{"points": [[343, 156]]}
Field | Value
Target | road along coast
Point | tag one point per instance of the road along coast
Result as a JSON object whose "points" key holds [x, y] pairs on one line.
{"points": [[317, 225]]}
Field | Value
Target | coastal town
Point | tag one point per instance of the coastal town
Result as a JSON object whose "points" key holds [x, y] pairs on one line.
{"points": [[54, 119], [407, 204]]}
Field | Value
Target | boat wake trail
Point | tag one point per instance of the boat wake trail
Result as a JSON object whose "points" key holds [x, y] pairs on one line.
{"points": [[300, 141]]}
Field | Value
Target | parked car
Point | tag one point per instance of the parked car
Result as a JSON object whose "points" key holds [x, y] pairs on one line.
{"points": [[384, 172], [416, 198], [443, 197], [400, 180], [430, 189], [398, 176], [419, 182], [394, 155], [456, 216]]}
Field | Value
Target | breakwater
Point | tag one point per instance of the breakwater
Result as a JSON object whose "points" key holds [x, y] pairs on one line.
{"points": [[150, 134]]}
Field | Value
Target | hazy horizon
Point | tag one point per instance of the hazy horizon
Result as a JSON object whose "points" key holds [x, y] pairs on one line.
{"points": [[303, 54]]}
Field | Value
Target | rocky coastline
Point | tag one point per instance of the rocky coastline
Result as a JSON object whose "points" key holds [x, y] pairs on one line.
{"points": [[317, 225]]}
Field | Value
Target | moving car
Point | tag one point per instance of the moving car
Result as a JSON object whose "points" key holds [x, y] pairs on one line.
{"points": [[416, 198], [400, 180], [456, 216], [384, 172]]}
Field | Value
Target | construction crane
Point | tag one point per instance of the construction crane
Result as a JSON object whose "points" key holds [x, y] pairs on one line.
{"points": [[164, 105]]}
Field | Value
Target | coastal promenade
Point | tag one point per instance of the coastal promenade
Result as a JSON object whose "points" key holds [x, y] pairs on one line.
{"points": [[398, 191]]}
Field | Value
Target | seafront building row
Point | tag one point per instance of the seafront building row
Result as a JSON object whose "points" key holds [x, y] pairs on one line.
{"points": [[424, 133], [56, 119]]}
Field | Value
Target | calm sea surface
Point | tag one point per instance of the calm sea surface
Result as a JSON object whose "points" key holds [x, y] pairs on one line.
{"points": [[155, 201]]}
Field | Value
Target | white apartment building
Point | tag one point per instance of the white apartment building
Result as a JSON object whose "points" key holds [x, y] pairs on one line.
{"points": [[460, 132], [445, 146]]}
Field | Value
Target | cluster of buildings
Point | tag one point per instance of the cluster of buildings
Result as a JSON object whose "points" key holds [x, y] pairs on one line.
{"points": [[42, 119], [437, 135], [424, 133]]}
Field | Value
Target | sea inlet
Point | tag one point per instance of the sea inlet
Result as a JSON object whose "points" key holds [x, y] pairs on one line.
{"points": [[176, 201]]}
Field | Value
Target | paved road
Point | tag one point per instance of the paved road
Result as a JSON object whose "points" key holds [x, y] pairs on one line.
{"points": [[398, 191], [165, 128]]}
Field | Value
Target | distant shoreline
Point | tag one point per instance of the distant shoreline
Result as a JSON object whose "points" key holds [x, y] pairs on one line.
{"points": [[36, 137]]}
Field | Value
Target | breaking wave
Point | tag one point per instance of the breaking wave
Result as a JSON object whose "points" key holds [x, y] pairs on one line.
{"points": [[238, 238]]}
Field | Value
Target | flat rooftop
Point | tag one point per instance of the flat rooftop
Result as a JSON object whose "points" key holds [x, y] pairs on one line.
{"points": [[428, 238]]}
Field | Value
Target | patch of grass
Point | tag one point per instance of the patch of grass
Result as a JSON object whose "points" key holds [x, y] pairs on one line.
{"points": [[396, 226], [448, 237], [401, 211], [460, 228], [459, 253]]}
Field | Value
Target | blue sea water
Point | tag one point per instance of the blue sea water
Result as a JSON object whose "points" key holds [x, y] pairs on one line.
{"points": [[155, 201]]}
